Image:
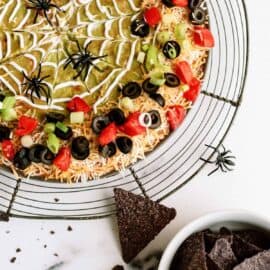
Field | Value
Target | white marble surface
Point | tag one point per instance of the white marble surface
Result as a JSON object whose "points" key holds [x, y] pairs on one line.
{"points": [[93, 244]]}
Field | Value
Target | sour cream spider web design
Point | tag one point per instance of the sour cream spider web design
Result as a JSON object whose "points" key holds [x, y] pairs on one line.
{"points": [[28, 41]]}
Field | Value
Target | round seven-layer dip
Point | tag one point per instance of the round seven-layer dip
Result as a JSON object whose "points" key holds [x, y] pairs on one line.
{"points": [[88, 87]]}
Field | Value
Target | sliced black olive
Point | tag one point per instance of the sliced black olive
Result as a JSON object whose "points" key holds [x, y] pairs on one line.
{"points": [[158, 99], [35, 151], [198, 16], [117, 116], [108, 150], [80, 145], [156, 119], [2, 97], [80, 148], [132, 90], [99, 123], [80, 156], [63, 135], [4, 133], [54, 117], [149, 87], [193, 4], [171, 49], [140, 28], [21, 160], [47, 156], [168, 3], [172, 80], [124, 144]]}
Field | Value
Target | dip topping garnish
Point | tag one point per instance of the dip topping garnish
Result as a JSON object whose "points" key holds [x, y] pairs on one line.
{"points": [[82, 61], [37, 86], [42, 6]]}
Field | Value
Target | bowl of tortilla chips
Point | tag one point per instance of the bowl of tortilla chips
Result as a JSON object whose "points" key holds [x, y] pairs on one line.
{"points": [[224, 240]]}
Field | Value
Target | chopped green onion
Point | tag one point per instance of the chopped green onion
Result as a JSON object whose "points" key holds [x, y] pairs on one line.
{"points": [[53, 143], [9, 102], [157, 78], [151, 58], [76, 117], [8, 114], [145, 47], [49, 128], [180, 31], [62, 127], [163, 37], [127, 104]]}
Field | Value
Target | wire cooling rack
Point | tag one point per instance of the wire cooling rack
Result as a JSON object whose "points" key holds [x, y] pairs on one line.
{"points": [[176, 161]]}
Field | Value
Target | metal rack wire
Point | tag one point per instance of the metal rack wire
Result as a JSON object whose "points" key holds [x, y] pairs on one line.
{"points": [[176, 161]]}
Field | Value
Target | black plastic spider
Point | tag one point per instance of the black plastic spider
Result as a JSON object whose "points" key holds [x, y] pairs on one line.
{"points": [[82, 60], [223, 161], [35, 85], [42, 6]]}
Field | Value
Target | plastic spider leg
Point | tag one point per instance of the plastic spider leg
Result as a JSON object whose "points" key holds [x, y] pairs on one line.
{"points": [[212, 172], [86, 71], [31, 95], [39, 70], [35, 19], [97, 68], [55, 6], [230, 157], [43, 78], [227, 168], [46, 16], [78, 45], [93, 58], [87, 45], [79, 73], [68, 61], [223, 169], [207, 161], [226, 153], [223, 147], [45, 93]]}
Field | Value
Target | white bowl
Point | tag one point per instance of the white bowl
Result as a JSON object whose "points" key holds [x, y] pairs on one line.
{"points": [[232, 219]]}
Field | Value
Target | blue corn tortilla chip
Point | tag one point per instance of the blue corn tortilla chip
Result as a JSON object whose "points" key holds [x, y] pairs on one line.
{"points": [[261, 261], [211, 265], [254, 237], [210, 237], [243, 249], [222, 254], [191, 255], [140, 220]]}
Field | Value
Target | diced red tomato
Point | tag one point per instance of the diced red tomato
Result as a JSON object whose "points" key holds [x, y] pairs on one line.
{"points": [[77, 104], [108, 134], [175, 116], [26, 125], [8, 149], [183, 71], [63, 159], [132, 126], [194, 90], [180, 3], [203, 37], [152, 16]]}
